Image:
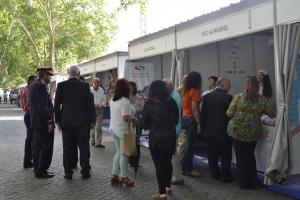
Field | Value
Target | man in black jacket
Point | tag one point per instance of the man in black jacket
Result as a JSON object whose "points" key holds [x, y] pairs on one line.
{"points": [[42, 124], [214, 123], [75, 114]]}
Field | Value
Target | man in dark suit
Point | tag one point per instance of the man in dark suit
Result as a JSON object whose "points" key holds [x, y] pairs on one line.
{"points": [[214, 123], [42, 124], [75, 114]]}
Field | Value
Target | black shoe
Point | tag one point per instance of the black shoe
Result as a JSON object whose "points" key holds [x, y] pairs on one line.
{"points": [[227, 180], [45, 175], [49, 171], [27, 166], [93, 144], [216, 177], [68, 176], [86, 176], [177, 182], [100, 146]]}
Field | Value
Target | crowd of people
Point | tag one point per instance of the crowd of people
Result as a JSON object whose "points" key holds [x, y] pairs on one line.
{"points": [[173, 116], [12, 97]]}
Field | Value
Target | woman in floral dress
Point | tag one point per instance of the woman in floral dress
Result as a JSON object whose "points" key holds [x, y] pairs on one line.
{"points": [[246, 129]]}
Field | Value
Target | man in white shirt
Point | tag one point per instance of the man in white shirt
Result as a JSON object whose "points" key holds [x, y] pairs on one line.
{"points": [[100, 100]]}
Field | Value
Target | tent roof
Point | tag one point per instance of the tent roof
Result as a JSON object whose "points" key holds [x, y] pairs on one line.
{"points": [[243, 4]]}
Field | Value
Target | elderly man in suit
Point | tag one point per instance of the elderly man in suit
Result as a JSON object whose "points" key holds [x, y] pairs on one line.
{"points": [[75, 114], [214, 123], [41, 123]]}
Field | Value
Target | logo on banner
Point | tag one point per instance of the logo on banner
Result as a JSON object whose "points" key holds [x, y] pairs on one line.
{"points": [[139, 67]]}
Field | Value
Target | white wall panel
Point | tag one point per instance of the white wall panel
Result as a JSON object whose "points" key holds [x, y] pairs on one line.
{"points": [[153, 47], [106, 64], [204, 59], [262, 16], [221, 28], [237, 61], [87, 68], [288, 11]]}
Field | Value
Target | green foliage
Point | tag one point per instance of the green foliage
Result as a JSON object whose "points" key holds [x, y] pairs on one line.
{"points": [[126, 3], [51, 33]]}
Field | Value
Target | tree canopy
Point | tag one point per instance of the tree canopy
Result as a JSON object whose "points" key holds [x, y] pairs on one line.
{"points": [[54, 33]]}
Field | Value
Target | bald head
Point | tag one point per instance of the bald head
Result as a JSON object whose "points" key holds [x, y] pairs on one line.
{"points": [[74, 71], [224, 84], [168, 84]]}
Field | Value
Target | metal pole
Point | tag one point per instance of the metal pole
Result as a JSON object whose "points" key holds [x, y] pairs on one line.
{"points": [[276, 51]]}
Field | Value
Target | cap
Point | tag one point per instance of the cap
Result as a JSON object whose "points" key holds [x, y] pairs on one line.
{"points": [[49, 70]]}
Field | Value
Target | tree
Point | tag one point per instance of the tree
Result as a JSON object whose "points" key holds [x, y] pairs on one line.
{"points": [[54, 32]]}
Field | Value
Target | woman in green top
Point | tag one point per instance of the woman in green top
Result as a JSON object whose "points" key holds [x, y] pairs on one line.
{"points": [[245, 128]]}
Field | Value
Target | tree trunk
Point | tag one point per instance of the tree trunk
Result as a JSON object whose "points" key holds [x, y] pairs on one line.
{"points": [[38, 59], [52, 40]]}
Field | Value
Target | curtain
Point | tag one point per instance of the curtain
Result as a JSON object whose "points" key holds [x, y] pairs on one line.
{"points": [[179, 66], [286, 48]]}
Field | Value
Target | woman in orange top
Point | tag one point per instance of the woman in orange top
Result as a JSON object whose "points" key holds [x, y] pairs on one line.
{"points": [[191, 99]]}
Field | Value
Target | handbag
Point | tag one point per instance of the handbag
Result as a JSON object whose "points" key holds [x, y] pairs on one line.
{"points": [[129, 141]]}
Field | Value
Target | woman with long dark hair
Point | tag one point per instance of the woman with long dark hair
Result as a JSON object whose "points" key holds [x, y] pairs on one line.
{"points": [[264, 83], [160, 115], [245, 128], [137, 102], [121, 113], [191, 99]]}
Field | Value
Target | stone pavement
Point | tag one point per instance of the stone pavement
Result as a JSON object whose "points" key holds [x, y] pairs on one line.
{"points": [[17, 183]]}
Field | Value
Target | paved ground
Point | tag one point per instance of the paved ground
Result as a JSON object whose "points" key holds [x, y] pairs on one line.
{"points": [[17, 183]]}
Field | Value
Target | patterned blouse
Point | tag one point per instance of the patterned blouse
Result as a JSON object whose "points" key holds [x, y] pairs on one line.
{"points": [[245, 123]]}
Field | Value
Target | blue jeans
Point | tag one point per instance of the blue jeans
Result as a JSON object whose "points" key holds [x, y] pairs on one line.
{"points": [[190, 126]]}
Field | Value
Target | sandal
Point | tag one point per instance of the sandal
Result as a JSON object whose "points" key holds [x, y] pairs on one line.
{"points": [[114, 180], [126, 182], [192, 173], [168, 191]]}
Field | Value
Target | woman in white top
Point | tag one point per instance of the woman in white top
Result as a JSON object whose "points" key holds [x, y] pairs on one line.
{"points": [[121, 112]]}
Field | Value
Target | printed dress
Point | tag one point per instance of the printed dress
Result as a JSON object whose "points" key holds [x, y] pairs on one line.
{"points": [[245, 123]]}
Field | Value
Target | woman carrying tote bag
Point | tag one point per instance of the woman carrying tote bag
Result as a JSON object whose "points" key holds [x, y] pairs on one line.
{"points": [[122, 114]]}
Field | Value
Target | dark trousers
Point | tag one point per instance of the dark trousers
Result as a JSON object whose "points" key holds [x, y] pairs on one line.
{"points": [[28, 142], [42, 150], [220, 148], [163, 165], [74, 157], [246, 163], [74, 137], [190, 126]]}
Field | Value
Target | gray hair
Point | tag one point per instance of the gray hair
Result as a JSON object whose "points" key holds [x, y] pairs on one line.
{"points": [[169, 84], [167, 80], [74, 70], [220, 82]]}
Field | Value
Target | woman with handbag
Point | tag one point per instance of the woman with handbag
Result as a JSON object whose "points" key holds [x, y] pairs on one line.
{"points": [[245, 128], [160, 115], [122, 114]]}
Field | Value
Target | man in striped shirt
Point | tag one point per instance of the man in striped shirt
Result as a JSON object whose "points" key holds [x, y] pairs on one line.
{"points": [[27, 163]]}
